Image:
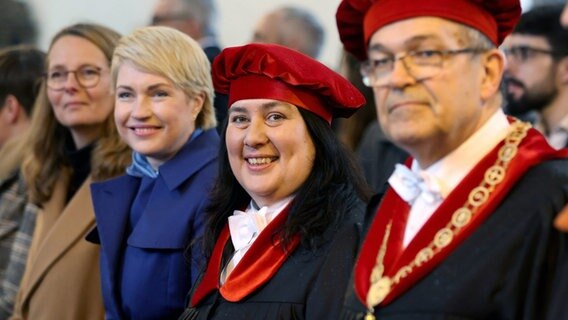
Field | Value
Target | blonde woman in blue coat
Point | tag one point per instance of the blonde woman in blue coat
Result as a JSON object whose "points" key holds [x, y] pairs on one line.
{"points": [[146, 218]]}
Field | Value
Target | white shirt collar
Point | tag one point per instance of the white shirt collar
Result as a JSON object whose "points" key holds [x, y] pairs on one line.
{"points": [[451, 169]]}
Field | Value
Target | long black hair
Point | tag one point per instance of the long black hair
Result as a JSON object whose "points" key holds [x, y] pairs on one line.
{"points": [[334, 187]]}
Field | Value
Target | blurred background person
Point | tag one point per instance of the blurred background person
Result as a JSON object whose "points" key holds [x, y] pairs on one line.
{"points": [[289, 252], [196, 18], [21, 70], [362, 133], [536, 77], [293, 27], [350, 131], [564, 17], [146, 218], [17, 25], [72, 141], [561, 222]]}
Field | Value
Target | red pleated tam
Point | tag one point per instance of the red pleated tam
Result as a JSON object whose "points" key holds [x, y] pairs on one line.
{"points": [[357, 20], [268, 71]]}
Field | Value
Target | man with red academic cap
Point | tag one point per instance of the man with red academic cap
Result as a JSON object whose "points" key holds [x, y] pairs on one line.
{"points": [[465, 230]]}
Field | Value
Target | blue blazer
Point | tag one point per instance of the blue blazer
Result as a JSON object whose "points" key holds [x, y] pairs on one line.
{"points": [[173, 217]]}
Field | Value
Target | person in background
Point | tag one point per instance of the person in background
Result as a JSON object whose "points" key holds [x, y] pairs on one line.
{"points": [[196, 18], [72, 141], [285, 214], [293, 27], [564, 17], [350, 131], [146, 218], [362, 133], [17, 25], [21, 70], [561, 222], [465, 228], [536, 77]]}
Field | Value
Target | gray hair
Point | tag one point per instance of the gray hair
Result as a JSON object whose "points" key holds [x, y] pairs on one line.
{"points": [[475, 39], [301, 24], [204, 12]]}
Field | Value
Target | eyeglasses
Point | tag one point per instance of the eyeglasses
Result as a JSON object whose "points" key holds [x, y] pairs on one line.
{"points": [[524, 53], [87, 77], [420, 65], [165, 19]]}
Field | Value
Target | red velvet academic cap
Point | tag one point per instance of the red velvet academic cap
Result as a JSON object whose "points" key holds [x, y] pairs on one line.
{"points": [[268, 71], [357, 20]]}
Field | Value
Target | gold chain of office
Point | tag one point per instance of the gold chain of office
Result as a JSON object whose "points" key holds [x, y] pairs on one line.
{"points": [[382, 285]]}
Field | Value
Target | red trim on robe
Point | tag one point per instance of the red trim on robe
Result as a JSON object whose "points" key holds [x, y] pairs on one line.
{"points": [[257, 266], [532, 150]]}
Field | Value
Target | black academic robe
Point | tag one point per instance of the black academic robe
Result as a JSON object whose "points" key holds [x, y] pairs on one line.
{"points": [[504, 270], [308, 285]]}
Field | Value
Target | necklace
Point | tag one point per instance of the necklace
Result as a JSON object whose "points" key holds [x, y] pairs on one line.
{"points": [[382, 285]]}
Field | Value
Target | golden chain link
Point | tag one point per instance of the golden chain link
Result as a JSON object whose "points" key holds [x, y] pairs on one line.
{"points": [[381, 285]]}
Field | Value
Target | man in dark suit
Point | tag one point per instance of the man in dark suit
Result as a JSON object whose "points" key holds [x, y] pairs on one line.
{"points": [[536, 77], [196, 19], [465, 229]]}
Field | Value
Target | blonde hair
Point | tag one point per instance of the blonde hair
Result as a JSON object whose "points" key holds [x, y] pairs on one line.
{"points": [[45, 161], [173, 55]]}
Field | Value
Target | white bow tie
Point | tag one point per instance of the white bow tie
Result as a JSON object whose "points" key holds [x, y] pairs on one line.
{"points": [[409, 185], [246, 226]]}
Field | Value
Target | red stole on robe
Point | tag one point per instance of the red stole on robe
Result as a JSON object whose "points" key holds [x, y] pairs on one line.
{"points": [[258, 265], [532, 150]]}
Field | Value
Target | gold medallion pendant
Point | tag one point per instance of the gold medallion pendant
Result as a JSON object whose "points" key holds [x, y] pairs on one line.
{"points": [[379, 291], [369, 316]]}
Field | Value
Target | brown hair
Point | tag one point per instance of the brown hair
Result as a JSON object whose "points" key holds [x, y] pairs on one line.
{"points": [[45, 160]]}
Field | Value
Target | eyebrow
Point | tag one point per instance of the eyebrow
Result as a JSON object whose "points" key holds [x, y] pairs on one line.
{"points": [[60, 66], [409, 42], [150, 88], [264, 106]]}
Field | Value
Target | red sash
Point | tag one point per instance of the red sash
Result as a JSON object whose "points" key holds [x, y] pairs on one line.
{"points": [[532, 150], [257, 266]]}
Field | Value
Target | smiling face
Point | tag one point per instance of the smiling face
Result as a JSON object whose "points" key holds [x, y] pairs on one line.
{"points": [[429, 117], [154, 117], [270, 150], [82, 110]]}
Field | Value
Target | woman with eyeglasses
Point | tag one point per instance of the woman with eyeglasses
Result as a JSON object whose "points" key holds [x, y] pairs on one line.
{"points": [[72, 142]]}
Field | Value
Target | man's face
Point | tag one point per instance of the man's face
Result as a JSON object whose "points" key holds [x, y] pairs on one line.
{"points": [[530, 75], [171, 13], [428, 117], [266, 30]]}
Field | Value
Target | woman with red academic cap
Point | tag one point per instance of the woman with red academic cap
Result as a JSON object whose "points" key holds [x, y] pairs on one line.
{"points": [[288, 203]]}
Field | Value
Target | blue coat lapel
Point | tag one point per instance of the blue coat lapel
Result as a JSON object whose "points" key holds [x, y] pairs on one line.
{"points": [[174, 203], [169, 217], [111, 201]]}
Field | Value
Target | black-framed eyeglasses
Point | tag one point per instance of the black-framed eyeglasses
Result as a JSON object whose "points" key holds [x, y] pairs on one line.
{"points": [[524, 53], [86, 76], [420, 64]]}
